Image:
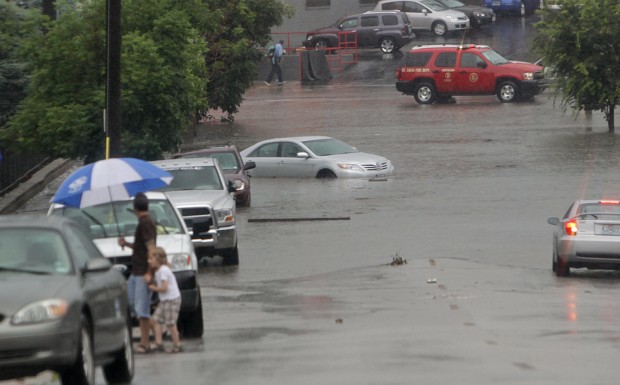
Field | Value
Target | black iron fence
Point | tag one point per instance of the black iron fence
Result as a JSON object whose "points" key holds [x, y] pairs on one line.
{"points": [[16, 167]]}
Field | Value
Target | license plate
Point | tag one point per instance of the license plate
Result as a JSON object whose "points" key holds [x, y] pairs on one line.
{"points": [[609, 229]]}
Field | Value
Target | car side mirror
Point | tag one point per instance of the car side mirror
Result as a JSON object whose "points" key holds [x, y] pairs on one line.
{"points": [[481, 64], [303, 154], [97, 264], [249, 165], [553, 221]]}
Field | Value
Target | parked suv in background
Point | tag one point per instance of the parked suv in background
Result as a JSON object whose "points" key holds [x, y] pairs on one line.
{"points": [[433, 73], [203, 195], [385, 30], [233, 167], [105, 223], [428, 15]]}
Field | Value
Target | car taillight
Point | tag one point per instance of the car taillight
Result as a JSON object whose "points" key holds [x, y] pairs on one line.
{"points": [[609, 202], [405, 30], [398, 73], [570, 227]]}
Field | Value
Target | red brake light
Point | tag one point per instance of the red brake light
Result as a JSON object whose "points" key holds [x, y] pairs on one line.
{"points": [[570, 227], [607, 202]]}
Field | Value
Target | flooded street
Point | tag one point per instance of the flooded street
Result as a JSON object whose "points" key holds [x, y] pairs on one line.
{"points": [[317, 302]]}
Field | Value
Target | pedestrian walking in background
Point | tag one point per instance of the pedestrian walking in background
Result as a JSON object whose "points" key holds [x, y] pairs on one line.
{"points": [[145, 238], [167, 312], [275, 64]]}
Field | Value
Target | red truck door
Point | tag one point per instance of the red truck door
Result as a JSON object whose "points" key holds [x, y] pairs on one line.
{"points": [[444, 71], [474, 74]]}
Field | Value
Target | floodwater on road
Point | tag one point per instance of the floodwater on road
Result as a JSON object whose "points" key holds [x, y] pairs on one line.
{"points": [[317, 302]]}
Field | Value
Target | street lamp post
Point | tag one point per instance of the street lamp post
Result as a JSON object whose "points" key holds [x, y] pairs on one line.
{"points": [[112, 120]]}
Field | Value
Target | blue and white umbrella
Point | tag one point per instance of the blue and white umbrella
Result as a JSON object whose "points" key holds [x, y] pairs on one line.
{"points": [[108, 181]]}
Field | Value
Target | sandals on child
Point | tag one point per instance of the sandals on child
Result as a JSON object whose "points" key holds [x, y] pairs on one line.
{"points": [[175, 349], [157, 348], [141, 349]]}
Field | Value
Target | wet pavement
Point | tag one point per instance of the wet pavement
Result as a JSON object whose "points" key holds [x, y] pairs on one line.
{"points": [[318, 302]]}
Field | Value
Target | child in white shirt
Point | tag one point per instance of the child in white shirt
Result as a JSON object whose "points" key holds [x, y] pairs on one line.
{"points": [[167, 311]]}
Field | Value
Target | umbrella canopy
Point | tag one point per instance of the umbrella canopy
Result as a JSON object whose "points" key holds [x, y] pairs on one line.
{"points": [[110, 180]]}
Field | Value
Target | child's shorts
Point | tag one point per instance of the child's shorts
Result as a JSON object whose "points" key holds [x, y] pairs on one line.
{"points": [[167, 312]]}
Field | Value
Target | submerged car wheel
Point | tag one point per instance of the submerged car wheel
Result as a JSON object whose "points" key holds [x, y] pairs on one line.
{"points": [[230, 256], [425, 93], [440, 28], [326, 174], [192, 325], [387, 44], [507, 91], [561, 268], [82, 372], [121, 370]]}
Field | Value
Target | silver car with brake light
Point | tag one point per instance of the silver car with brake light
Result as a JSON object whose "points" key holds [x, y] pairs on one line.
{"points": [[588, 236]]}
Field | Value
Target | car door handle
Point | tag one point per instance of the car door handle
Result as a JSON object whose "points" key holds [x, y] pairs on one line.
{"points": [[376, 29]]}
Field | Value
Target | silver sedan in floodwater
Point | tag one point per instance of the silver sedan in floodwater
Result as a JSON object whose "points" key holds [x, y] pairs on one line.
{"points": [[587, 236], [314, 157]]}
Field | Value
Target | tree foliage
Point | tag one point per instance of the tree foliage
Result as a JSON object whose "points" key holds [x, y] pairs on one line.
{"points": [[580, 47], [15, 25], [180, 58]]}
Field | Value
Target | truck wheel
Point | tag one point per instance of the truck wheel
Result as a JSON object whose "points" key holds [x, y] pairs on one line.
{"points": [[191, 324], [321, 44], [387, 44], [507, 91], [230, 256], [425, 93], [440, 28], [82, 371], [121, 370]]}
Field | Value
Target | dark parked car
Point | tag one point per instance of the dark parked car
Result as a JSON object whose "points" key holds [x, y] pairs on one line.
{"points": [[478, 16], [62, 305], [388, 30], [232, 165], [519, 7]]}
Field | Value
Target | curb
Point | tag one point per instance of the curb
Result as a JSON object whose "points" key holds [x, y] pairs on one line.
{"points": [[19, 196]]}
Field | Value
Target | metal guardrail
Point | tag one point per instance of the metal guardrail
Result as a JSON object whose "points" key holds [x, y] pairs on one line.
{"points": [[16, 167]]}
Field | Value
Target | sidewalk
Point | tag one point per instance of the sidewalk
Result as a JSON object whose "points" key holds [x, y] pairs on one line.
{"points": [[16, 198]]}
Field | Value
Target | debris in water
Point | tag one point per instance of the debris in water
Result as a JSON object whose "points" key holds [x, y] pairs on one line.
{"points": [[398, 260], [339, 321]]}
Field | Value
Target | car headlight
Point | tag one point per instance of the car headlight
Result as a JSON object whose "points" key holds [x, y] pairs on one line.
{"points": [[451, 18], [309, 37], [478, 14], [350, 167], [528, 76], [180, 261], [41, 311], [225, 216]]}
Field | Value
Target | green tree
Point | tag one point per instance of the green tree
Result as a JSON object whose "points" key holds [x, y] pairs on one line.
{"points": [[233, 29], [14, 27], [580, 46], [162, 82]]}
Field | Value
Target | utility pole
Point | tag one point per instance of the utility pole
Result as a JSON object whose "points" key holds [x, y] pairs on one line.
{"points": [[113, 80]]}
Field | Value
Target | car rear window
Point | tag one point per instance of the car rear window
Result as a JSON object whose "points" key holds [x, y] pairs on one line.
{"points": [[599, 208], [389, 19], [418, 59]]}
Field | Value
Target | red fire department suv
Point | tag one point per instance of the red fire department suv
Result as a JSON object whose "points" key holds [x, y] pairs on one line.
{"points": [[435, 73]]}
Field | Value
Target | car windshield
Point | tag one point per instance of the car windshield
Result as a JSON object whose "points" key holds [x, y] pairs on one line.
{"points": [[33, 250], [435, 6], [111, 220], [194, 178], [494, 57], [452, 3], [324, 147], [227, 160]]}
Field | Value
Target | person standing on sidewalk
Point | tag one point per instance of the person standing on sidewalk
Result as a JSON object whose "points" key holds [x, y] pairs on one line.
{"points": [[145, 238], [275, 64]]}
